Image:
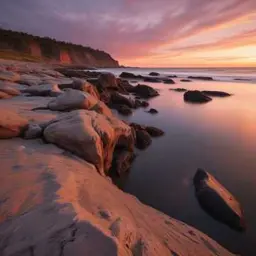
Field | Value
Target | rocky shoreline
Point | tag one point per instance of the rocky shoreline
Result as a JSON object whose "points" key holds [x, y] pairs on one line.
{"points": [[59, 143]]}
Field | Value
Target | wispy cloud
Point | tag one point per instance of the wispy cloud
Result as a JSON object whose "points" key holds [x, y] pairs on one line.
{"points": [[134, 31]]}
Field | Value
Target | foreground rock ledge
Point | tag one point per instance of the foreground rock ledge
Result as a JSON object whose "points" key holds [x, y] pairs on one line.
{"points": [[59, 205]]}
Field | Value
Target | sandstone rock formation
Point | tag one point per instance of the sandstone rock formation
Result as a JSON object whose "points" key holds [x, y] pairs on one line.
{"points": [[90, 135]]}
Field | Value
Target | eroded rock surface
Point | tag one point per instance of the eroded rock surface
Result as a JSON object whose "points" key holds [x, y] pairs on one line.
{"points": [[90, 135]]}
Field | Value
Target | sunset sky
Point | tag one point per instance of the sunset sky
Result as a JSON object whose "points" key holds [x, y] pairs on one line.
{"points": [[159, 33]]}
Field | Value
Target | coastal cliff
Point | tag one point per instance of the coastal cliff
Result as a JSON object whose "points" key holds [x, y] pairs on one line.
{"points": [[22, 46]]}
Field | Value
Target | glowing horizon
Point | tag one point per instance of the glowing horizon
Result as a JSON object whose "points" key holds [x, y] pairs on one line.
{"points": [[146, 33]]}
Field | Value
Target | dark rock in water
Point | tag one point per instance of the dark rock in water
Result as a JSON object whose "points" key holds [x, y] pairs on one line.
{"points": [[137, 104], [196, 97], [145, 91], [154, 74], [185, 80], [143, 139], [137, 97], [216, 93], [122, 161], [138, 126], [105, 96], [124, 85], [129, 75], [168, 81], [133, 82], [207, 78], [153, 111], [179, 89], [144, 104], [154, 132], [117, 98], [108, 80], [122, 109], [152, 80], [172, 76], [218, 201], [242, 79]]}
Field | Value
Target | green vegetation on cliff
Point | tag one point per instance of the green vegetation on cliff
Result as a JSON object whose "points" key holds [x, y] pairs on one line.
{"points": [[22, 46]]}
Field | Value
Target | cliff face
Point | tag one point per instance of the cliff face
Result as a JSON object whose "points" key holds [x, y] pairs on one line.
{"points": [[17, 44]]}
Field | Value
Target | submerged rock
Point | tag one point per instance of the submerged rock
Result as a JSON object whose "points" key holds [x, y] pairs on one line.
{"points": [[11, 124], [145, 91], [218, 201], [179, 89], [196, 97], [185, 80], [216, 93], [207, 78], [153, 111]]}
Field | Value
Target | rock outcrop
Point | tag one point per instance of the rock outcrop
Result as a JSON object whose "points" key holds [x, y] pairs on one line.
{"points": [[218, 201], [90, 135]]}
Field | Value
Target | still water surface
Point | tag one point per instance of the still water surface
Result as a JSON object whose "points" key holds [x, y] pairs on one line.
{"points": [[220, 137]]}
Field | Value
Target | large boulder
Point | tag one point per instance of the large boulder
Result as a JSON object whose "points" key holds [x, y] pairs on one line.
{"points": [[145, 91], [117, 98], [11, 124], [108, 81], [196, 97], [216, 93], [82, 85], [216, 200], [9, 76], [74, 99], [44, 90], [91, 136]]}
